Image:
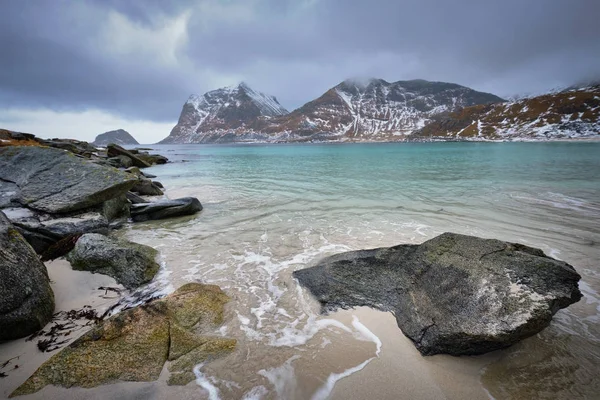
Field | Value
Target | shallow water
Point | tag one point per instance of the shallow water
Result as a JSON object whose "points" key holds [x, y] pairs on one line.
{"points": [[272, 209]]}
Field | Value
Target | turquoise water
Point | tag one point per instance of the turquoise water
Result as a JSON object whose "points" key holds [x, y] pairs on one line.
{"points": [[272, 209]]}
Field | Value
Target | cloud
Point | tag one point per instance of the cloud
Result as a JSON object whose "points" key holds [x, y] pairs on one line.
{"points": [[141, 59], [85, 125]]}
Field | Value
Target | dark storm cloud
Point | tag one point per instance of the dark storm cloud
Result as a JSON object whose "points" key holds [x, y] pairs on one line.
{"points": [[141, 59]]}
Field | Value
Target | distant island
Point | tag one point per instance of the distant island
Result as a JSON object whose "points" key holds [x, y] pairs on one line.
{"points": [[119, 136], [379, 111]]}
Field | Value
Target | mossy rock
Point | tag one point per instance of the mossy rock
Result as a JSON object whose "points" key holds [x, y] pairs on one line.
{"points": [[212, 347], [135, 344], [131, 264]]}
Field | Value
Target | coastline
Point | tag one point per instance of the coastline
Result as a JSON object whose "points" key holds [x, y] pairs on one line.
{"points": [[399, 369]]}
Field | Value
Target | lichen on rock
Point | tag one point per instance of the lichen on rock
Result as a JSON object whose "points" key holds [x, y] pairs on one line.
{"points": [[453, 294], [134, 344]]}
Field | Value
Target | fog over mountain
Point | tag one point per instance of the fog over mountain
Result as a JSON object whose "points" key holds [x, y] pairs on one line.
{"points": [[78, 68]]}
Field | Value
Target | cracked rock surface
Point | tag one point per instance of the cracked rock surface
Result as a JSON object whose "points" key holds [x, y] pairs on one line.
{"points": [[56, 181], [453, 294]]}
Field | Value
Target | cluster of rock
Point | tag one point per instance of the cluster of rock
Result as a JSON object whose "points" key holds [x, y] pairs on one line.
{"points": [[49, 193], [62, 197], [58, 194], [453, 294]]}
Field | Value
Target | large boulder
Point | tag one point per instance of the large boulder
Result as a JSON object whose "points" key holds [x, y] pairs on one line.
{"points": [[453, 294], [135, 344], [113, 150], [56, 181], [26, 299], [165, 209], [131, 264]]}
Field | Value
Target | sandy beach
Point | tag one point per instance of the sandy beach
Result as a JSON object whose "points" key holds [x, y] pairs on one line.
{"points": [[393, 369]]}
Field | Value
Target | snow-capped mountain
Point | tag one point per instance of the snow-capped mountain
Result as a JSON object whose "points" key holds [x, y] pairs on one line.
{"points": [[375, 110], [569, 114], [218, 114]]}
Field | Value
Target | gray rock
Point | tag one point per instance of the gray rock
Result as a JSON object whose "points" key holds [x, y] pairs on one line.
{"points": [[135, 171], [74, 146], [120, 162], [26, 299], [146, 187], [56, 181], [114, 150], [131, 264], [152, 159], [42, 230], [135, 199], [9, 194], [453, 294], [165, 209]]}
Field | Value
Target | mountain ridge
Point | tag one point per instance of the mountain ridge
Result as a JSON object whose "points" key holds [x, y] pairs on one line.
{"points": [[371, 110], [573, 113]]}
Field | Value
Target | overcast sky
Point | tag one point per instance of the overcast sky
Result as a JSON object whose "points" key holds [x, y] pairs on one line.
{"points": [[79, 68]]}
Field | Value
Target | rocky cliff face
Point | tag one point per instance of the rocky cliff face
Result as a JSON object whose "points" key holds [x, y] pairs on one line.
{"points": [[374, 110], [120, 137], [224, 115], [569, 114]]}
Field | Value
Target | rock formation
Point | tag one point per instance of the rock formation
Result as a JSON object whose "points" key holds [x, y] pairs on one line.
{"points": [[131, 264], [135, 344], [453, 294], [26, 299]]}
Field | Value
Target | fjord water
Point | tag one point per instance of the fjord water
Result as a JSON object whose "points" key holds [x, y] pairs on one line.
{"points": [[273, 209]]}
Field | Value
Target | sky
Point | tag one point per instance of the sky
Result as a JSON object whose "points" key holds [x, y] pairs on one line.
{"points": [[82, 67]]}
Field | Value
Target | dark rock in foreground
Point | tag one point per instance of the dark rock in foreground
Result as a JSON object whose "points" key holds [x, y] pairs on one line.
{"points": [[165, 209], [135, 344], [26, 299], [453, 294], [131, 264], [56, 181]]}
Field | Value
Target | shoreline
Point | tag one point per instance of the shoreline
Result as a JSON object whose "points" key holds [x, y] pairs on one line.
{"points": [[400, 368], [329, 142]]}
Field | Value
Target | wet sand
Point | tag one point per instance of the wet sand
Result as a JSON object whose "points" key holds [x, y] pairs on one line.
{"points": [[400, 372], [396, 371]]}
